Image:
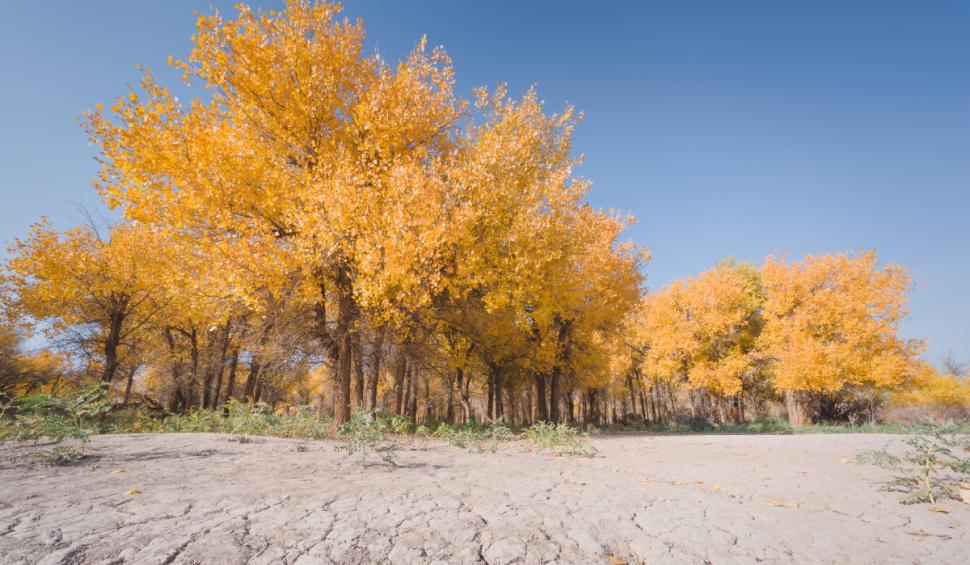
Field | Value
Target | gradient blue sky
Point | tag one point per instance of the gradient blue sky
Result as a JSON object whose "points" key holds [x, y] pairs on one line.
{"points": [[739, 128]]}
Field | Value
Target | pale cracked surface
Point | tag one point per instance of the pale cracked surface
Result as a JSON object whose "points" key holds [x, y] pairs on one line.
{"points": [[653, 499]]}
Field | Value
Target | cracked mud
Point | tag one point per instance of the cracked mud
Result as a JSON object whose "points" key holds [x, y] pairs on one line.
{"points": [[200, 498]]}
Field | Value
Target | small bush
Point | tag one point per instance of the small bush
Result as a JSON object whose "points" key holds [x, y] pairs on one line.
{"points": [[366, 434], [932, 467], [60, 456], [59, 417], [560, 439]]}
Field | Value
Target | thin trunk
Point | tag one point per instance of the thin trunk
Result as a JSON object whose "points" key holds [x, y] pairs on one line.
{"points": [[510, 398], [413, 381], [358, 354], [463, 395], [490, 410], [408, 375], [376, 356], [400, 373], [633, 394], [498, 411], [194, 373], [131, 378], [233, 365], [450, 409]]}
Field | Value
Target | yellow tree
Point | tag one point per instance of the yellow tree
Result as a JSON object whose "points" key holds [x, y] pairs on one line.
{"points": [[832, 322], [306, 145], [702, 331], [100, 292], [364, 181]]}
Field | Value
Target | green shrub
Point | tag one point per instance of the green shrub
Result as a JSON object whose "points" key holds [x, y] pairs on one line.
{"points": [[931, 468], [560, 439], [366, 434], [60, 456], [56, 418]]}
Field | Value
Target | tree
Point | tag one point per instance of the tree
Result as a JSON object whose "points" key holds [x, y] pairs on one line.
{"points": [[832, 322], [90, 292], [702, 331]]}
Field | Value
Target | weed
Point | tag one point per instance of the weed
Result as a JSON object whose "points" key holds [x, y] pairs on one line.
{"points": [[560, 439], [932, 466], [366, 434], [60, 456]]}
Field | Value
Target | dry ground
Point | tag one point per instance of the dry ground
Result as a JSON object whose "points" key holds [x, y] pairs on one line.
{"points": [[652, 499]]}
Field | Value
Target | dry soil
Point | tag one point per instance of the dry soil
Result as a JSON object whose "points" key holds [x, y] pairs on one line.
{"points": [[202, 498]]}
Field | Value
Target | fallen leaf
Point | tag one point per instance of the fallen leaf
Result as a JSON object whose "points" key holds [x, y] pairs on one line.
{"points": [[715, 487], [614, 560], [133, 492], [938, 509], [782, 503]]}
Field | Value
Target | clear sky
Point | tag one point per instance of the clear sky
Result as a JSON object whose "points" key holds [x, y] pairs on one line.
{"points": [[739, 128]]}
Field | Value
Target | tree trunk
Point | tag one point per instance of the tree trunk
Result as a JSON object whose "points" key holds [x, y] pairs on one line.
{"points": [[111, 342], [408, 375], [377, 355], [554, 416], [175, 404], [463, 395], [131, 378], [233, 365], [498, 412], [250, 388], [542, 411], [358, 354], [450, 409], [490, 408], [194, 373], [400, 373], [797, 411], [345, 318]]}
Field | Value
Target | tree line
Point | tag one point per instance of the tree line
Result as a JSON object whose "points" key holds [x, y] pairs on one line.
{"points": [[319, 226]]}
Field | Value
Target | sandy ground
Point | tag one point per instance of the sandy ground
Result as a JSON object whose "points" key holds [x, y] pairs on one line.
{"points": [[201, 498]]}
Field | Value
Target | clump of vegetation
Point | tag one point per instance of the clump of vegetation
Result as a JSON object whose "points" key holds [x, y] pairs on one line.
{"points": [[56, 418], [560, 439], [702, 425], [485, 437], [366, 435], [60, 456], [258, 419], [931, 468]]}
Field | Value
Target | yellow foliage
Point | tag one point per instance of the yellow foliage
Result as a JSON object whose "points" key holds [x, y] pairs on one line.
{"points": [[934, 390], [833, 321], [702, 330]]}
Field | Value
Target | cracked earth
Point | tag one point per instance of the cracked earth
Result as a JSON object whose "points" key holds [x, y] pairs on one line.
{"points": [[201, 498]]}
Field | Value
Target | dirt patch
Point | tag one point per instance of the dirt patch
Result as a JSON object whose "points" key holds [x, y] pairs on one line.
{"points": [[201, 498]]}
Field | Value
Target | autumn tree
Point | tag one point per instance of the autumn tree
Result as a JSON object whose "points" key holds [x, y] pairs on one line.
{"points": [[702, 332], [832, 323], [86, 290]]}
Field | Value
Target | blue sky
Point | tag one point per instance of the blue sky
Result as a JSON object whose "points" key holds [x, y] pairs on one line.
{"points": [[739, 128]]}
